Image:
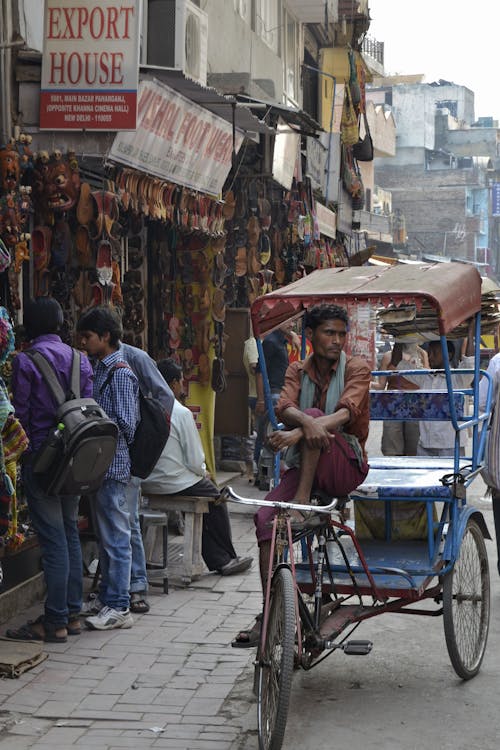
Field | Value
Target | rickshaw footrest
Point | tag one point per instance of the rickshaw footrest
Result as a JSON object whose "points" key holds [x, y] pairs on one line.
{"points": [[357, 648]]}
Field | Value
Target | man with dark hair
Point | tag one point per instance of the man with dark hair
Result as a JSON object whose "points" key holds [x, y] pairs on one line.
{"points": [[54, 518], [117, 391], [151, 384], [181, 470], [324, 405]]}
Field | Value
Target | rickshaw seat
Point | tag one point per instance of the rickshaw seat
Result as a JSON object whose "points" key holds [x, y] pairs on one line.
{"points": [[415, 405], [387, 483]]}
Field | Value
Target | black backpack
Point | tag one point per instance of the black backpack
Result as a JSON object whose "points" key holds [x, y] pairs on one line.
{"points": [[75, 457], [151, 434]]}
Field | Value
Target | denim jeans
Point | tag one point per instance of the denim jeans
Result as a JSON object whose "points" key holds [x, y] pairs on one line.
{"points": [[113, 529], [138, 575], [55, 522]]}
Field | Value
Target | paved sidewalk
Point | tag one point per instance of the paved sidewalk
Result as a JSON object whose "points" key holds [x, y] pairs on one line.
{"points": [[172, 681], [162, 684]]}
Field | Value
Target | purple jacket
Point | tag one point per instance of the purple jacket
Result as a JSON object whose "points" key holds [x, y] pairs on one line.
{"points": [[33, 403]]}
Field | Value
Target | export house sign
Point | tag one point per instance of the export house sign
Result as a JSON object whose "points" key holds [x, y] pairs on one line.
{"points": [[90, 65], [177, 140]]}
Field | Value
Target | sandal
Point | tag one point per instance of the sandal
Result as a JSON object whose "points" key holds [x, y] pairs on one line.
{"points": [[310, 520], [138, 603], [28, 632], [74, 626], [248, 638]]}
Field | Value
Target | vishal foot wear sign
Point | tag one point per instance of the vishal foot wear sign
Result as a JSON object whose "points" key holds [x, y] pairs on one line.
{"points": [[90, 65], [177, 140]]}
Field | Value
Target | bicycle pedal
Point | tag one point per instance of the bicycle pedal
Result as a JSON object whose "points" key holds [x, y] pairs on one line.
{"points": [[357, 648]]}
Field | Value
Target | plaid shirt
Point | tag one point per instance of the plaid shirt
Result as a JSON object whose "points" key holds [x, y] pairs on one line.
{"points": [[120, 401]]}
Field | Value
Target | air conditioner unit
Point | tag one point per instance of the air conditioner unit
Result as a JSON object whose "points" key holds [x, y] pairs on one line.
{"points": [[175, 35]]}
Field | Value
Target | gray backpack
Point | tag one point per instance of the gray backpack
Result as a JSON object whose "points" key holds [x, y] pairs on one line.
{"points": [[76, 455]]}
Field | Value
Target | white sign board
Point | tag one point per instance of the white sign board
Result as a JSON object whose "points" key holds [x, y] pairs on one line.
{"points": [[177, 140], [286, 149], [90, 65]]}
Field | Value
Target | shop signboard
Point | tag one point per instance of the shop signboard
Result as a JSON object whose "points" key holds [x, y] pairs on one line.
{"points": [[327, 220], [177, 140], [285, 155], [316, 155], [495, 199], [90, 65]]}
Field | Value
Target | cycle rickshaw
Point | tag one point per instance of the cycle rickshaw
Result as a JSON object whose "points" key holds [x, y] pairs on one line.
{"points": [[442, 569]]}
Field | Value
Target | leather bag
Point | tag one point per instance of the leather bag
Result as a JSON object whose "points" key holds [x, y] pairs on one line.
{"points": [[363, 149]]}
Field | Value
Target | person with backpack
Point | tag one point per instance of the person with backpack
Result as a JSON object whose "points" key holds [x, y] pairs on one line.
{"points": [[152, 384], [116, 389], [54, 518]]}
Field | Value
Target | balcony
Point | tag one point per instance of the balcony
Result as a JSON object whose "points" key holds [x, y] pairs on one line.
{"points": [[373, 49], [314, 11]]}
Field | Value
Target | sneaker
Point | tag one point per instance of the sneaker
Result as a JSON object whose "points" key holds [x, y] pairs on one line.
{"points": [[109, 618], [93, 606]]}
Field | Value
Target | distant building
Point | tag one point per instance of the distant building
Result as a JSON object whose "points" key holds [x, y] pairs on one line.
{"points": [[443, 169]]}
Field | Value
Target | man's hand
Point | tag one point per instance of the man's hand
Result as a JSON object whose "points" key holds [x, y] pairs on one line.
{"points": [[260, 407], [280, 439], [316, 435]]}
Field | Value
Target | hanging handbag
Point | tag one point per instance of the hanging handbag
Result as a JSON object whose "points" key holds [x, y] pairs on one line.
{"points": [[349, 130], [354, 86], [363, 149], [350, 176], [14, 439]]}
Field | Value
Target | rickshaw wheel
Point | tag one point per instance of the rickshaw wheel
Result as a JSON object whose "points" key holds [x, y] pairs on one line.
{"points": [[275, 667], [466, 604]]}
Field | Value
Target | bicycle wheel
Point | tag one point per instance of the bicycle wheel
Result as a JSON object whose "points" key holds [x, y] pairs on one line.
{"points": [[276, 663], [466, 604]]}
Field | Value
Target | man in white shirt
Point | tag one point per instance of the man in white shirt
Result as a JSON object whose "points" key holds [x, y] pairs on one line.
{"points": [[181, 470], [438, 438], [494, 371]]}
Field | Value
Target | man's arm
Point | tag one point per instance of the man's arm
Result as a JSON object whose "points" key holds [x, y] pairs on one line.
{"points": [[189, 439], [21, 390], [317, 431], [492, 370], [126, 402], [150, 378]]}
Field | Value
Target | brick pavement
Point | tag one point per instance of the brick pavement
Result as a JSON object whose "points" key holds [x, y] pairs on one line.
{"points": [[165, 683], [172, 681]]}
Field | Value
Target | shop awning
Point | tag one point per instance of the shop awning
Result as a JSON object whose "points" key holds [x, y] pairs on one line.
{"points": [[219, 104], [292, 115]]}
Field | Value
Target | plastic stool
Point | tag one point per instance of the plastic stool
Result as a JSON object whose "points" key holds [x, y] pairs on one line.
{"points": [[148, 520]]}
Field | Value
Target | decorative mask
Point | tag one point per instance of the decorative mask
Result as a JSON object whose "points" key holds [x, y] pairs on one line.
{"points": [[56, 182], [9, 168]]}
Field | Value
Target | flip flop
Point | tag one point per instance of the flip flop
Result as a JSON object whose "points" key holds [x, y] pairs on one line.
{"points": [[248, 638], [310, 520], [138, 603], [28, 633]]}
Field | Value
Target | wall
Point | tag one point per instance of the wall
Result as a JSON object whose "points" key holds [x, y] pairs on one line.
{"points": [[474, 141], [435, 207], [414, 109], [235, 49]]}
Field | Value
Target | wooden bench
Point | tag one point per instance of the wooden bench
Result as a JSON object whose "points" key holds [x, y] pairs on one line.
{"points": [[190, 565]]}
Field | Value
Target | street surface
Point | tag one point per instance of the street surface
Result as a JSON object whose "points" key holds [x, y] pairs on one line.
{"points": [[173, 680]]}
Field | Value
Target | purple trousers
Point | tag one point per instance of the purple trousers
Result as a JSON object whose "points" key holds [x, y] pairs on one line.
{"points": [[338, 472]]}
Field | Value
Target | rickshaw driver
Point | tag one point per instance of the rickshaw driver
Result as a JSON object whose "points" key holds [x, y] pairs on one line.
{"points": [[324, 405]]}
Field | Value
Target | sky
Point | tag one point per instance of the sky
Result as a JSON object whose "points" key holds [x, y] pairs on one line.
{"points": [[450, 39]]}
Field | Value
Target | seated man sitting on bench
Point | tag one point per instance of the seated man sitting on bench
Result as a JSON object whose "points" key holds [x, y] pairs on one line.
{"points": [[181, 471]]}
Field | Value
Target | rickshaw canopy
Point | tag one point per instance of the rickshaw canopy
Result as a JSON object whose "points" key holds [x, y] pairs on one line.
{"points": [[452, 289]]}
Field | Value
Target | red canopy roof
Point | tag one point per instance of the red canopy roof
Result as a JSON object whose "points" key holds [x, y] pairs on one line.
{"points": [[452, 289]]}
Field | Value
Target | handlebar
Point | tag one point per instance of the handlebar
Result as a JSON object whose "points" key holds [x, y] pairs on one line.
{"points": [[229, 494]]}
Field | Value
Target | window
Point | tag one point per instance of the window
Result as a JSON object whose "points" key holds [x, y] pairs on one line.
{"points": [[291, 57], [244, 9], [267, 23]]}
